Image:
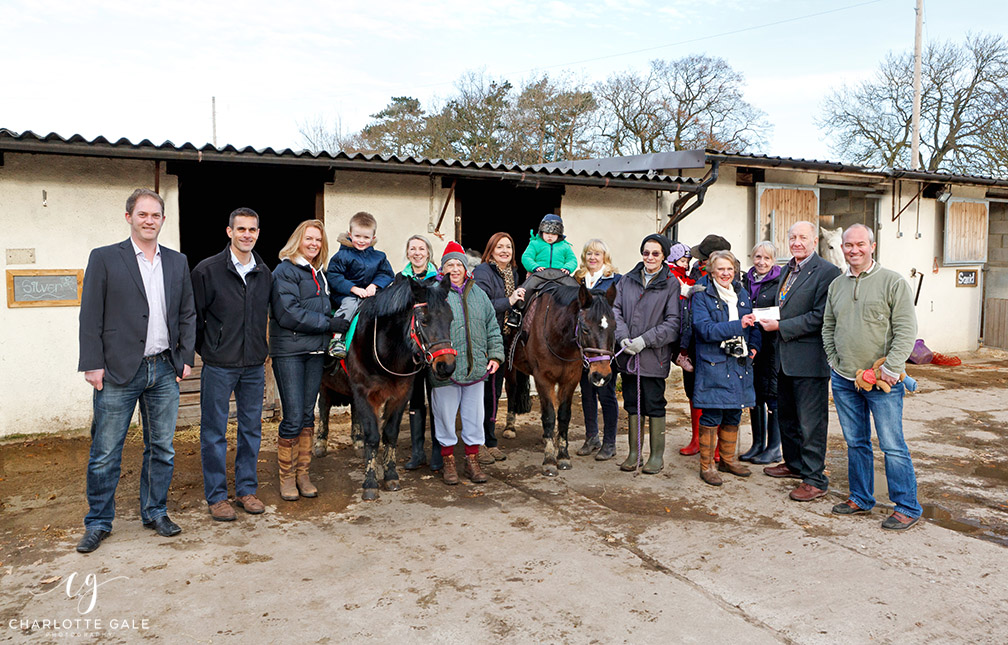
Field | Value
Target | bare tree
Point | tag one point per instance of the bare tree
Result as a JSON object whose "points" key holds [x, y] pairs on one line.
{"points": [[962, 105], [319, 134], [688, 103]]}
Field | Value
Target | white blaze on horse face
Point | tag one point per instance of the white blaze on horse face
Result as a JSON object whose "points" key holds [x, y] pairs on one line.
{"points": [[605, 323]]}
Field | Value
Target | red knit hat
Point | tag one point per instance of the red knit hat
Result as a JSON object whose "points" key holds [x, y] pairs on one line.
{"points": [[454, 251]]}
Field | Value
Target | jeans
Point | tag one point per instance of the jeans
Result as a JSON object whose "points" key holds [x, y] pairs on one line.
{"points": [[606, 396], [450, 400], [298, 379], [216, 386], [157, 392], [853, 407]]}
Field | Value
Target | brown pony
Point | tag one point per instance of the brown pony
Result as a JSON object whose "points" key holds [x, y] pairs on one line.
{"points": [[565, 328]]}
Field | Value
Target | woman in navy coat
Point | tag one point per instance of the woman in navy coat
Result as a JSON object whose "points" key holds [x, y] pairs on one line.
{"points": [[597, 273], [727, 341]]}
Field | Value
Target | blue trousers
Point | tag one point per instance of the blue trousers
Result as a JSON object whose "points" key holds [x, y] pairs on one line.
{"points": [[591, 398], [298, 380], [854, 408], [155, 389], [216, 386]]}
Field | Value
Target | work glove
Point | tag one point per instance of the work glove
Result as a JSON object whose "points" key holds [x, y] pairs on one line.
{"points": [[633, 346]]}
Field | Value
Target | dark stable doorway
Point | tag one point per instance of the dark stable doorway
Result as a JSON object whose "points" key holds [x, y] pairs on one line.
{"points": [[488, 207], [283, 197]]}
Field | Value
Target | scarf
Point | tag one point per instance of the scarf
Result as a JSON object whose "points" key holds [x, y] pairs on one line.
{"points": [[730, 298], [756, 283], [648, 277], [508, 276], [591, 279]]}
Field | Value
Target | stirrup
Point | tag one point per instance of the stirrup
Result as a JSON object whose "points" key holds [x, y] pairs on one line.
{"points": [[513, 319]]}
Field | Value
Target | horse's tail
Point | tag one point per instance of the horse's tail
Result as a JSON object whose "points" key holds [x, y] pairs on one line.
{"points": [[522, 394]]}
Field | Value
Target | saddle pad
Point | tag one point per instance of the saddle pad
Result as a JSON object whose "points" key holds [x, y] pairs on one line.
{"points": [[350, 331]]}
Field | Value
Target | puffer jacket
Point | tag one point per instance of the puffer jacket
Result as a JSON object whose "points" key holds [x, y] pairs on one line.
{"points": [[301, 321], [352, 268], [652, 313], [558, 255], [429, 273], [474, 334], [722, 382]]}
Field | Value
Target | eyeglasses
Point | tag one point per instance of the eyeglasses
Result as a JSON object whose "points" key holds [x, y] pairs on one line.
{"points": [[653, 254]]}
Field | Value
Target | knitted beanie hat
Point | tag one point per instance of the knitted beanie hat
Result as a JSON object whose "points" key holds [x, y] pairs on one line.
{"points": [[552, 224], [454, 251], [662, 241]]}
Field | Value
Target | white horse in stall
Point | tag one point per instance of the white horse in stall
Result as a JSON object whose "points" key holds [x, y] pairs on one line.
{"points": [[829, 246]]}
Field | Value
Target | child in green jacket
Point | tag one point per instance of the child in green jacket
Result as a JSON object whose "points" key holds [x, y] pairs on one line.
{"points": [[548, 258]]}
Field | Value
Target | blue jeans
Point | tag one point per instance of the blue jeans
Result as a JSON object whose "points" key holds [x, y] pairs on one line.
{"points": [[606, 397], [853, 407], [154, 387], [216, 386], [298, 379]]}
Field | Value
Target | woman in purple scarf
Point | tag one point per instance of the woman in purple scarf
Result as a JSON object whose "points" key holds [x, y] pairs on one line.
{"points": [[762, 281]]}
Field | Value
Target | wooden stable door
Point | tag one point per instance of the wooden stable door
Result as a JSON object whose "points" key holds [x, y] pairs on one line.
{"points": [[189, 393]]}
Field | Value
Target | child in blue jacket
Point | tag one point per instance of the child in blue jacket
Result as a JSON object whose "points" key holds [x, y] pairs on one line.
{"points": [[356, 271]]}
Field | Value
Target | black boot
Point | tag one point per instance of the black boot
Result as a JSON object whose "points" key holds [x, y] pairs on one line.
{"points": [[416, 431], [772, 454], [757, 419], [436, 460]]}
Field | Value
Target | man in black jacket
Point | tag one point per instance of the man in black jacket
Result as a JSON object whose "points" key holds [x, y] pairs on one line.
{"points": [[232, 292], [803, 373], [137, 329]]}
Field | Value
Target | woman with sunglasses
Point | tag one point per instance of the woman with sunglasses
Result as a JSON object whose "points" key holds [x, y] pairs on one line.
{"points": [[647, 329]]}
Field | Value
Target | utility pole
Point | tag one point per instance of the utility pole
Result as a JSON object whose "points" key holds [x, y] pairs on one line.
{"points": [[915, 142], [213, 115]]}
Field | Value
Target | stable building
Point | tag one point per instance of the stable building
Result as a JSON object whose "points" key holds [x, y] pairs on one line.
{"points": [[59, 198]]}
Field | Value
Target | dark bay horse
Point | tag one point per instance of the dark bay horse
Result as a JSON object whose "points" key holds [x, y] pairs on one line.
{"points": [[565, 328], [401, 330]]}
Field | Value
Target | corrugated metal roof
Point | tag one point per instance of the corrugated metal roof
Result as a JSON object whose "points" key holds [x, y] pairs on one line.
{"points": [[77, 144], [742, 158]]}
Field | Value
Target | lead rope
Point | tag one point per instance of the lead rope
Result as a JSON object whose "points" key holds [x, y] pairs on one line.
{"points": [[640, 426]]}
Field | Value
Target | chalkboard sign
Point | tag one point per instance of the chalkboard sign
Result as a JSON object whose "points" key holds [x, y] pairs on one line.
{"points": [[966, 277], [44, 287]]}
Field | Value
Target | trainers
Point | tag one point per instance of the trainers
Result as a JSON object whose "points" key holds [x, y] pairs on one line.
{"points": [[484, 456], [222, 511], [251, 504], [496, 453], [336, 348], [899, 522], [849, 508]]}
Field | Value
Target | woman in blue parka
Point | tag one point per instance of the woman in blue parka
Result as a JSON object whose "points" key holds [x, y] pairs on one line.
{"points": [[726, 344]]}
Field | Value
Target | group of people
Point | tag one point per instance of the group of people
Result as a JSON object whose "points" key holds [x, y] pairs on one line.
{"points": [[144, 316]]}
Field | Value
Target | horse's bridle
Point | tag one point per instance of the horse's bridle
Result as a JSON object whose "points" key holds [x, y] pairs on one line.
{"points": [[603, 354], [418, 335]]}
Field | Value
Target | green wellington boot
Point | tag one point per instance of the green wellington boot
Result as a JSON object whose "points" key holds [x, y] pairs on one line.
{"points": [[633, 457], [656, 459]]}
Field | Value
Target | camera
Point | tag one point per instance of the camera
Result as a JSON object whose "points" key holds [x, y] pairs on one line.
{"points": [[735, 347]]}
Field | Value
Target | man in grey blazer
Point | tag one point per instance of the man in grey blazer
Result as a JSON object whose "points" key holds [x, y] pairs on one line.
{"points": [[802, 370], [137, 338]]}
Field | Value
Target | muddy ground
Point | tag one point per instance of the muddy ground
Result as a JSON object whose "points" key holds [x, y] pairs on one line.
{"points": [[595, 555]]}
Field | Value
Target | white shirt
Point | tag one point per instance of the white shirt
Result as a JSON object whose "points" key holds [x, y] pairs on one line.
{"points": [[157, 317], [243, 269], [591, 279]]}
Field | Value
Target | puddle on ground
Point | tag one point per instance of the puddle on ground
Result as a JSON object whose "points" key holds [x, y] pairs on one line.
{"points": [[944, 518]]}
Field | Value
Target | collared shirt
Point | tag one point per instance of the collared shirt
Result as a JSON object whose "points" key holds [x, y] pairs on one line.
{"points": [[152, 275], [243, 269], [794, 268]]}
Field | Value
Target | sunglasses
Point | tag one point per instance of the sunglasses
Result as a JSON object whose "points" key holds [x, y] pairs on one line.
{"points": [[653, 254]]}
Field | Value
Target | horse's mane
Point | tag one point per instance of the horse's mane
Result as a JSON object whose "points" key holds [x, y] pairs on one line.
{"points": [[393, 299], [565, 295]]}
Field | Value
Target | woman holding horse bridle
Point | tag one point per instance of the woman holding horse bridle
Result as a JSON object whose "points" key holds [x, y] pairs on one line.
{"points": [[420, 267], [647, 329], [727, 341], [597, 273], [497, 276], [476, 337], [301, 325]]}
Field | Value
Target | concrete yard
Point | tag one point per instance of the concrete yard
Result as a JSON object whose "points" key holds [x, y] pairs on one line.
{"points": [[594, 555]]}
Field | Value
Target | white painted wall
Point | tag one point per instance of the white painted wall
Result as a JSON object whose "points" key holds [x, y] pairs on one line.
{"points": [[621, 217], [40, 388], [728, 210]]}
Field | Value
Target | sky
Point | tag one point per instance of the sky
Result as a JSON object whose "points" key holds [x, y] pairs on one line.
{"points": [[121, 68]]}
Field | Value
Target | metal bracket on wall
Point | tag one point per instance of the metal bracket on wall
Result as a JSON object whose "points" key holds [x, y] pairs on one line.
{"points": [[444, 209], [898, 199]]}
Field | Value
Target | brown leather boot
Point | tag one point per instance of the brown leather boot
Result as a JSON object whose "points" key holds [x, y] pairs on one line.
{"points": [[727, 439], [473, 471], [708, 436], [448, 472], [287, 454], [304, 484]]}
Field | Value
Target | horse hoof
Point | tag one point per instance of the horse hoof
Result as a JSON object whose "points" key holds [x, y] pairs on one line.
{"points": [[564, 464], [369, 494], [550, 470], [509, 433], [392, 485], [358, 447], [319, 449]]}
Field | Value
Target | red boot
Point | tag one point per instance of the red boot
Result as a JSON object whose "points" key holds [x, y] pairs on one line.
{"points": [[694, 444]]}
